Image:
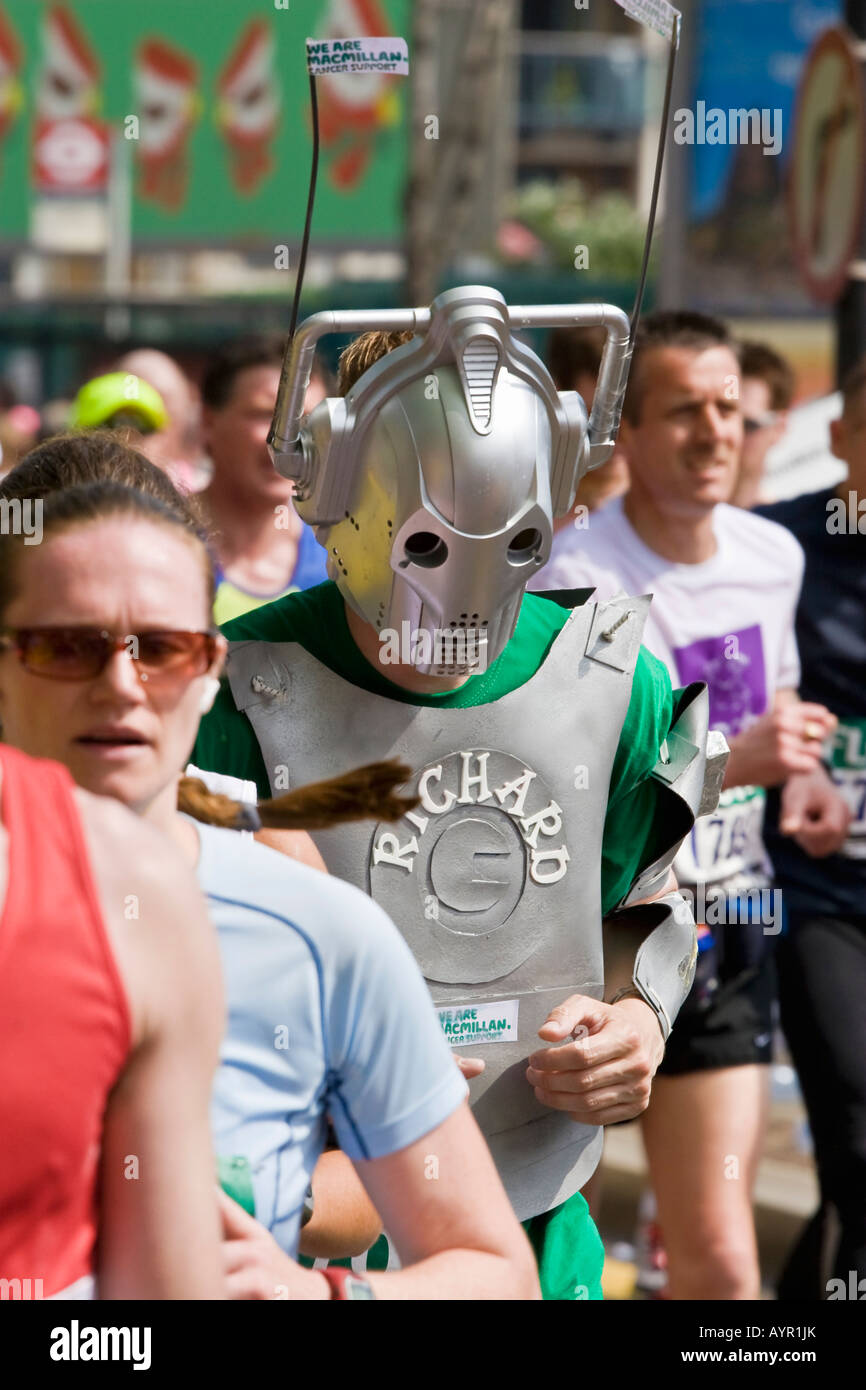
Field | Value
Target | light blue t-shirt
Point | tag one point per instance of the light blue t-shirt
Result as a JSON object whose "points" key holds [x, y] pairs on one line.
{"points": [[328, 1015]]}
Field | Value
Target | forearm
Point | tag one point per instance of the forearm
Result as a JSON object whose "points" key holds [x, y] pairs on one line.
{"points": [[344, 1220], [461, 1274], [737, 767], [451, 1275], [747, 764]]}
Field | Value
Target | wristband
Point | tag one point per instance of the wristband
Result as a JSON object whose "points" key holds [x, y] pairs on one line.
{"points": [[632, 992], [627, 992]]}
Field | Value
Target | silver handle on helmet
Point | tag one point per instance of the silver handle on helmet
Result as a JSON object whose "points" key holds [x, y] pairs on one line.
{"points": [[284, 441], [283, 438], [615, 362]]}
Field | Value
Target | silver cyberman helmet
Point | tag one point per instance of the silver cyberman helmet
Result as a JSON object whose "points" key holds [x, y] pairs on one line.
{"points": [[433, 484]]}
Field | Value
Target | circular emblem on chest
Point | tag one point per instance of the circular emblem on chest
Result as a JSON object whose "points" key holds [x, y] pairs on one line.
{"points": [[466, 874], [477, 869]]}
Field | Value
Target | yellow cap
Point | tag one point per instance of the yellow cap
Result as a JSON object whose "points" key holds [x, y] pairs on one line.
{"points": [[118, 393]]}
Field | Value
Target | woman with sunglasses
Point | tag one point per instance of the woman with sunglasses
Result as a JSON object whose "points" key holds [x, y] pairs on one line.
{"points": [[109, 661], [339, 1221]]}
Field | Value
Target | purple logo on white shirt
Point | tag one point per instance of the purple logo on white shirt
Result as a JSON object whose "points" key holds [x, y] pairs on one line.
{"points": [[733, 668]]}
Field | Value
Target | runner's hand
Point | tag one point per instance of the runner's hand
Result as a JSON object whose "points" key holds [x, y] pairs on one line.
{"points": [[470, 1066], [604, 1076], [814, 814], [255, 1267], [781, 743]]}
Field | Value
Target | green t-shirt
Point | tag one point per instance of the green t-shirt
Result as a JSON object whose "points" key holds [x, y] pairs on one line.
{"points": [[316, 619]]}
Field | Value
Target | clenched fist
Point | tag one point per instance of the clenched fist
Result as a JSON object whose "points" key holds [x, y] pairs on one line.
{"points": [[604, 1075]]}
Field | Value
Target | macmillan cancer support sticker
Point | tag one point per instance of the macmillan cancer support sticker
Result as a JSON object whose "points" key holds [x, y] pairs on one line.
{"points": [[655, 14], [473, 1024], [334, 57]]}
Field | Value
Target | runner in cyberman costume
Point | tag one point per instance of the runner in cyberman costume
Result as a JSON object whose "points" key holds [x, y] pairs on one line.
{"points": [[436, 504]]}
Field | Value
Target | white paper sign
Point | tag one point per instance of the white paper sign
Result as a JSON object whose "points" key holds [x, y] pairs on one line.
{"points": [[468, 1025], [333, 57], [655, 14]]}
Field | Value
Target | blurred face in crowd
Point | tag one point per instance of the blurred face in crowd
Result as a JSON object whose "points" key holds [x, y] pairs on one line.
{"points": [[604, 483], [117, 734], [236, 438], [762, 426], [848, 438], [179, 442], [683, 451]]}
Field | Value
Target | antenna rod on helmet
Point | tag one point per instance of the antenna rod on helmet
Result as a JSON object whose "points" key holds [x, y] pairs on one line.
{"points": [[311, 198], [283, 437], [676, 22], [277, 433], [613, 374]]}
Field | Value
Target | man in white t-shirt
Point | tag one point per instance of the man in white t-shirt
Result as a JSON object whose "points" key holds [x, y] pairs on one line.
{"points": [[725, 585]]}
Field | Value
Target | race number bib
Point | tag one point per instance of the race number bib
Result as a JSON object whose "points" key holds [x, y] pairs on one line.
{"points": [[847, 750], [728, 844]]}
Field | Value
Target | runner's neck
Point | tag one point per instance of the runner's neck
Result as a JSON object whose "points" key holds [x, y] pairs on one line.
{"points": [[254, 551], [683, 540]]}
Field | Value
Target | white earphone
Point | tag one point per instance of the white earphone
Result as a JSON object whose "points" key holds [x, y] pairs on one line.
{"points": [[209, 694]]}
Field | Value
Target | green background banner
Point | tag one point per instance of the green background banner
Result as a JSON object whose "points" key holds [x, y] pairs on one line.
{"points": [[221, 94]]}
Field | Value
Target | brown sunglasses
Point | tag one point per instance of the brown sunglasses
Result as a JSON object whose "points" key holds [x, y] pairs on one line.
{"points": [[82, 653]]}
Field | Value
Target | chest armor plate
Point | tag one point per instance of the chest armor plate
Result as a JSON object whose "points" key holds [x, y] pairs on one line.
{"points": [[495, 879]]}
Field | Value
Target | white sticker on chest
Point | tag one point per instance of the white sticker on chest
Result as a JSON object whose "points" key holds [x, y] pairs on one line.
{"points": [[479, 1023]]}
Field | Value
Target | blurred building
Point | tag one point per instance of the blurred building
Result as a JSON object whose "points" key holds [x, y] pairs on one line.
{"points": [[154, 169], [584, 83]]}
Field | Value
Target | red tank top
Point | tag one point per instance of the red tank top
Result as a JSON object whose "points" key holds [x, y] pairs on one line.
{"points": [[64, 1032]]}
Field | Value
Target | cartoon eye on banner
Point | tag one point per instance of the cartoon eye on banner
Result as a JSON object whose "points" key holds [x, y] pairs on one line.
{"points": [[166, 87], [248, 106], [11, 90], [351, 113], [70, 142], [69, 78]]}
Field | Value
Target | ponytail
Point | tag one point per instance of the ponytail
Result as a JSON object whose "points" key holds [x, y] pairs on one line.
{"points": [[365, 793]]}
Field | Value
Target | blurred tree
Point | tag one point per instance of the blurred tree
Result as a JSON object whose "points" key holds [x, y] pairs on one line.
{"points": [[562, 217]]}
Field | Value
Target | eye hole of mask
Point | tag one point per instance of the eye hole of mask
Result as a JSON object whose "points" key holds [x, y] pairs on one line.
{"points": [[524, 546], [426, 550]]}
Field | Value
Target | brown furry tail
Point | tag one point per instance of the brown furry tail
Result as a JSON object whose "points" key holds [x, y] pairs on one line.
{"points": [[364, 793]]}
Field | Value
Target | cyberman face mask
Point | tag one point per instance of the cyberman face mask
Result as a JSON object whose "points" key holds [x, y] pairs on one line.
{"points": [[434, 483]]}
